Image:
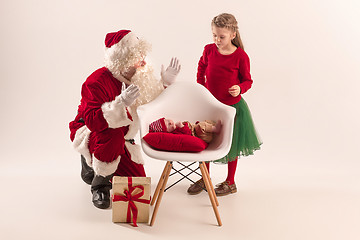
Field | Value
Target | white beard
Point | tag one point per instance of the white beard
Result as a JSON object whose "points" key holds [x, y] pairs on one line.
{"points": [[149, 88]]}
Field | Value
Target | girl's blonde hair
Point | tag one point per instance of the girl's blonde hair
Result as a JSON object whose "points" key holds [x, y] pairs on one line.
{"points": [[227, 20]]}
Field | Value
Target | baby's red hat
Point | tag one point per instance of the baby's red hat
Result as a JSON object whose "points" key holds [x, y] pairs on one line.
{"points": [[158, 126]]}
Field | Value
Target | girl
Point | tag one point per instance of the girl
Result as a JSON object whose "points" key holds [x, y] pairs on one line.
{"points": [[224, 70]]}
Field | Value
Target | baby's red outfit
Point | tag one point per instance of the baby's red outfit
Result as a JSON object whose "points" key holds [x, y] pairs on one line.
{"points": [[183, 130]]}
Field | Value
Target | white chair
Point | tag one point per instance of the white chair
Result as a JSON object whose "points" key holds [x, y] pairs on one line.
{"points": [[192, 102]]}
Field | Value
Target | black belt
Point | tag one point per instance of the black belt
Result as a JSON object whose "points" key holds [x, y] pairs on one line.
{"points": [[131, 141]]}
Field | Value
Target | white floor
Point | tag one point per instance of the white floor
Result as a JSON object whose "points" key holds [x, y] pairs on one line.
{"points": [[297, 200]]}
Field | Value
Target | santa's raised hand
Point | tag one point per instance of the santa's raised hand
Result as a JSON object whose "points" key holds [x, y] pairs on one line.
{"points": [[130, 94], [168, 76]]}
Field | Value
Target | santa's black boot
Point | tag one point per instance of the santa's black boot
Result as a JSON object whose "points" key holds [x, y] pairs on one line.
{"points": [[100, 188], [87, 173]]}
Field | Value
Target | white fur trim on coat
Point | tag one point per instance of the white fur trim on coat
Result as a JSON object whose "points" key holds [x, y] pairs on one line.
{"points": [[134, 126], [115, 113], [135, 152], [103, 168], [80, 143], [134, 149]]}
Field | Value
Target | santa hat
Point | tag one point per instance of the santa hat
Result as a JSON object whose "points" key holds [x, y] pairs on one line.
{"points": [[115, 37], [158, 126], [120, 43]]}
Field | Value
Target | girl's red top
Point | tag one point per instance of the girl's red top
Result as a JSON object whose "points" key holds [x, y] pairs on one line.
{"points": [[219, 72]]}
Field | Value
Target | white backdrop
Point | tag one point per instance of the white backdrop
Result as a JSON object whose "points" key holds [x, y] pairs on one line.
{"points": [[304, 62], [304, 56]]}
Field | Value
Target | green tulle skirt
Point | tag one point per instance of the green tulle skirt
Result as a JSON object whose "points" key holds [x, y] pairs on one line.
{"points": [[245, 138]]}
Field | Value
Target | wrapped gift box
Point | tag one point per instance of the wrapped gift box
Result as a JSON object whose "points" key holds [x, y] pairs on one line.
{"points": [[131, 198]]}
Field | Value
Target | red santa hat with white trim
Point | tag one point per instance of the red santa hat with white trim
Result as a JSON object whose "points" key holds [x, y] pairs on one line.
{"points": [[115, 37], [121, 39]]}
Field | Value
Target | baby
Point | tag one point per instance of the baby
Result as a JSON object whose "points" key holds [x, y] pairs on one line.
{"points": [[204, 130]]}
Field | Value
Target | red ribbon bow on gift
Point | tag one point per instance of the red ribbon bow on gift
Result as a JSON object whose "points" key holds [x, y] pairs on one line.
{"points": [[129, 197]]}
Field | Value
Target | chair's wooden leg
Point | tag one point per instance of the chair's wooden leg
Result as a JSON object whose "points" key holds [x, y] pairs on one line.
{"points": [[207, 182], [161, 181], [167, 171], [211, 185], [206, 179]]}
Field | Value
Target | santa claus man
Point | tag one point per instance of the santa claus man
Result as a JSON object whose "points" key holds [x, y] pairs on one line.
{"points": [[104, 128]]}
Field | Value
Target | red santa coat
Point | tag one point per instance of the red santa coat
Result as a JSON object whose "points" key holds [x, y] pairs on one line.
{"points": [[99, 129]]}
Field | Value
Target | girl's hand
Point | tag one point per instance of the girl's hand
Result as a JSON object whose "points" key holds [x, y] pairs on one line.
{"points": [[234, 90]]}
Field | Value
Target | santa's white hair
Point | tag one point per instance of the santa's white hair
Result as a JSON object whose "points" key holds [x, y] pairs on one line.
{"points": [[120, 57]]}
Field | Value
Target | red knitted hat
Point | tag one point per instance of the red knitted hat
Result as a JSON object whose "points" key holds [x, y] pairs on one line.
{"points": [[115, 37], [158, 126]]}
